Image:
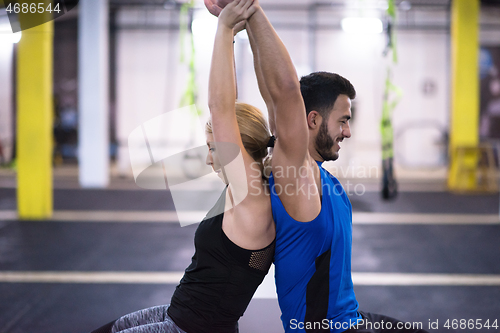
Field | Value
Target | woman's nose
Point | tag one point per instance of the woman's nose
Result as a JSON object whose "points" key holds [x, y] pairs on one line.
{"points": [[209, 160]]}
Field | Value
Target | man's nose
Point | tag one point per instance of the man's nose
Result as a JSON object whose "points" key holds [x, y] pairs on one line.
{"points": [[346, 131]]}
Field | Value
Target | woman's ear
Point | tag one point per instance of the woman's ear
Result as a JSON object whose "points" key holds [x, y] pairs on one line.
{"points": [[314, 119]]}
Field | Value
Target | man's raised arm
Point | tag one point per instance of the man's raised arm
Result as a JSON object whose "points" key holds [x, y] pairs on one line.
{"points": [[280, 81], [264, 92]]}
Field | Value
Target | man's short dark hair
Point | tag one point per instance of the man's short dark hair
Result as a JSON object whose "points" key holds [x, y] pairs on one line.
{"points": [[321, 89]]}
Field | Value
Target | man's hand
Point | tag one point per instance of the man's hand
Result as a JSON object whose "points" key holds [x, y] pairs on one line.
{"points": [[222, 3], [216, 6], [240, 26], [236, 12], [212, 7]]}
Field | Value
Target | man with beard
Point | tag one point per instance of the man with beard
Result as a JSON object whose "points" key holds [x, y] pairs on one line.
{"points": [[312, 212]]}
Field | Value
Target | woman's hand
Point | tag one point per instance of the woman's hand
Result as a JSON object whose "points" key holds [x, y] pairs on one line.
{"points": [[236, 12]]}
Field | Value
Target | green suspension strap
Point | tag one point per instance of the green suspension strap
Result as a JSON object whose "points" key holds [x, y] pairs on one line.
{"points": [[189, 97], [193, 160], [391, 11], [392, 96], [386, 128]]}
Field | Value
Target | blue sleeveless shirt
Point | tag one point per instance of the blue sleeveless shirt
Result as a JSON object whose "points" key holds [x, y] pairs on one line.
{"points": [[313, 262]]}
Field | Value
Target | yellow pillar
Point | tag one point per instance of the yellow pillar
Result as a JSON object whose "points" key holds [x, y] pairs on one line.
{"points": [[34, 120], [464, 120]]}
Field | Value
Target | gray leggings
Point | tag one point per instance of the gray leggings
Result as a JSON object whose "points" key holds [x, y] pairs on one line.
{"points": [[150, 320]]}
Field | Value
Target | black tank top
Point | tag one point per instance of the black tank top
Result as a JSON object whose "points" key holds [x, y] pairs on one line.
{"points": [[221, 280]]}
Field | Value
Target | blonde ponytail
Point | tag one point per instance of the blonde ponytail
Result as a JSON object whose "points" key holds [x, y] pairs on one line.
{"points": [[254, 132]]}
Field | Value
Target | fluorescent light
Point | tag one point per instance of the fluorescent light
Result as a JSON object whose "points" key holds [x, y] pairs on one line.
{"points": [[7, 36], [362, 25], [204, 26], [10, 38]]}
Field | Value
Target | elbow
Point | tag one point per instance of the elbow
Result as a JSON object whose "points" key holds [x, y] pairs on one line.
{"points": [[214, 103], [220, 100], [286, 88], [218, 106], [291, 84], [214, 108]]}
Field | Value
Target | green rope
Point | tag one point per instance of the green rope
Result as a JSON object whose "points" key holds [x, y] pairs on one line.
{"points": [[386, 128], [392, 93], [391, 11], [189, 97]]}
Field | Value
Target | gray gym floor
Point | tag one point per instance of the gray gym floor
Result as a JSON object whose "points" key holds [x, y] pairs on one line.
{"points": [[446, 246]]}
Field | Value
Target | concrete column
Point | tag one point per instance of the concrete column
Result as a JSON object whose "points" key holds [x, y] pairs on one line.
{"points": [[35, 109], [464, 120], [6, 139], [93, 93]]}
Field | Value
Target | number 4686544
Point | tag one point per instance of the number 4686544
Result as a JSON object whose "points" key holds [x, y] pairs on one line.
{"points": [[32, 8], [470, 324]]}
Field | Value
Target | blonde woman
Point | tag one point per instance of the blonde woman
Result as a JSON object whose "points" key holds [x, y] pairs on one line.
{"points": [[234, 249]]}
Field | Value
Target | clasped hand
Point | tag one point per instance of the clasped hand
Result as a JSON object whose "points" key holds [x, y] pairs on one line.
{"points": [[236, 12]]}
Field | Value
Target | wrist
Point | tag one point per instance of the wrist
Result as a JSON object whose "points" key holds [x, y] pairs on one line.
{"points": [[225, 33], [224, 28], [258, 12]]}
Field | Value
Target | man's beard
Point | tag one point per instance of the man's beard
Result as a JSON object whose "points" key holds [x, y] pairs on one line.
{"points": [[324, 144]]}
